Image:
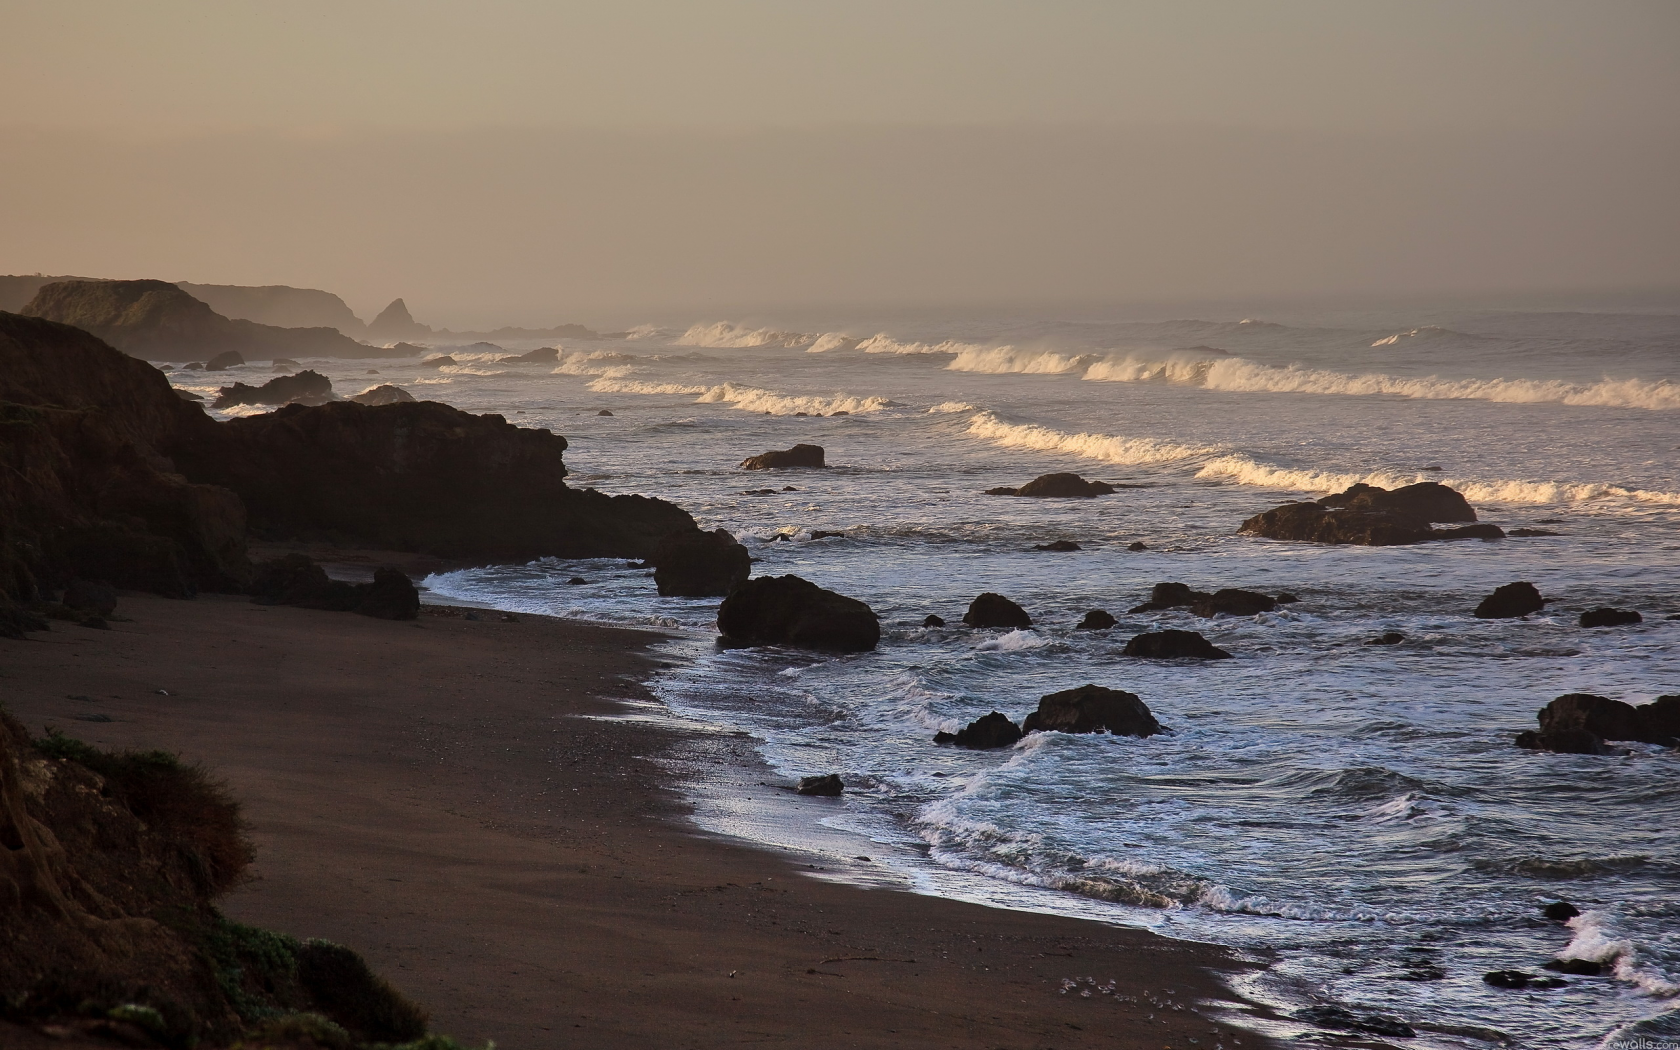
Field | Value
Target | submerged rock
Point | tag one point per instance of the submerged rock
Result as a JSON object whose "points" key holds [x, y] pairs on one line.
{"points": [[1092, 709], [787, 610], [1347, 1021], [1608, 617], [990, 731], [1096, 620], [1388, 638], [1533, 532], [1510, 601], [1056, 486], [994, 610], [1174, 645], [1057, 545], [829, 785], [1519, 979], [700, 564], [797, 456]]}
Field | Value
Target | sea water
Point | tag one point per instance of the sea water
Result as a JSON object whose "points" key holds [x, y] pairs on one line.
{"points": [[1356, 814]]}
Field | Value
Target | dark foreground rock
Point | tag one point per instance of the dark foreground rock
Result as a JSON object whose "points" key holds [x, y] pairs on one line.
{"points": [[1095, 620], [1580, 723], [829, 785], [1372, 516], [1092, 709], [994, 610], [1174, 645], [1608, 617], [281, 390], [295, 579], [797, 456], [1231, 601], [384, 394], [984, 733], [1056, 486], [1510, 601], [787, 610], [700, 564]]}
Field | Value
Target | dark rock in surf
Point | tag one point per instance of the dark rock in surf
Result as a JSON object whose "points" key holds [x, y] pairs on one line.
{"points": [[787, 610], [1560, 911], [1286, 599], [1388, 638], [284, 365], [90, 597], [829, 785], [1057, 545], [1137, 545], [1565, 742], [933, 621], [307, 385], [1169, 596], [441, 361], [700, 564], [385, 394], [1510, 601], [224, 361], [1426, 501], [604, 412], [1580, 723], [1372, 516], [1608, 617], [1519, 979], [1532, 532], [991, 731], [1096, 620], [1347, 1021], [994, 610], [543, 355], [1056, 486], [797, 456], [1576, 967], [1174, 645], [1232, 601], [1092, 709]]}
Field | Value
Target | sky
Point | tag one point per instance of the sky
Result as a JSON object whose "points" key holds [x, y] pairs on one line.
{"points": [[534, 162]]}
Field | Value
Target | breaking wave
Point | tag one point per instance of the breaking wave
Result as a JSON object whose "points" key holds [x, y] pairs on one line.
{"points": [[1244, 470], [726, 335], [747, 398], [1428, 332], [1001, 360]]}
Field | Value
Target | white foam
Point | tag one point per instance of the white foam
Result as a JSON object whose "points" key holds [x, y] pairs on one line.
{"points": [[747, 398], [1108, 449], [647, 331], [1594, 941], [882, 343], [1014, 641], [1003, 360], [948, 407], [723, 334], [832, 341], [594, 362]]}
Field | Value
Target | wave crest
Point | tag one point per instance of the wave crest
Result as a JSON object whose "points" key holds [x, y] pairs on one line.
{"points": [[724, 335], [747, 398]]}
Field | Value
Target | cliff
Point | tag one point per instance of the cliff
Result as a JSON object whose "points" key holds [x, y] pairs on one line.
{"points": [[17, 289], [395, 322], [278, 305], [157, 321]]}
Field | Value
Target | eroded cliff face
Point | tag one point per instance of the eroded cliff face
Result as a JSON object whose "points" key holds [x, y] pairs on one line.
{"points": [[106, 474]]}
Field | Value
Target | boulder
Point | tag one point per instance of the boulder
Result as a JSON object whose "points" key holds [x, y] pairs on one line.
{"points": [[1137, 545], [991, 731], [604, 412], [1560, 911], [384, 394], [933, 621], [1608, 617], [391, 596], [994, 610], [1057, 545], [1174, 645], [1056, 486], [1095, 620], [1232, 601], [1372, 516], [280, 390], [699, 564], [787, 610], [829, 785], [1565, 742], [542, 355], [1510, 601], [91, 598], [1169, 596], [797, 456], [1655, 723], [438, 362], [1576, 967], [224, 361], [1092, 709]]}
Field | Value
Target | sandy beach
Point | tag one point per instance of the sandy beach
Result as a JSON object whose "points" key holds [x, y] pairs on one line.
{"points": [[453, 799]]}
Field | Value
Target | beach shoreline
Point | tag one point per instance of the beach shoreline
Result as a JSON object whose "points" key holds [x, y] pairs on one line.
{"points": [[476, 807]]}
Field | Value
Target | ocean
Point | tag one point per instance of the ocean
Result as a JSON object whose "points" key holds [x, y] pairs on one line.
{"points": [[1356, 815]]}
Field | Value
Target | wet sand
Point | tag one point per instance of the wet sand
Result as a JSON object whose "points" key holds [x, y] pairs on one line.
{"points": [[453, 799]]}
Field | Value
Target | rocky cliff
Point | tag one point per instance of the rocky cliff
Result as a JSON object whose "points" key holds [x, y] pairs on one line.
{"points": [[278, 305], [157, 321]]}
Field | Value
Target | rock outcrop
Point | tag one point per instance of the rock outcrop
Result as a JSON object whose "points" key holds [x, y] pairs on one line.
{"points": [[1376, 517], [826, 785], [1096, 620], [383, 394], [1231, 601], [1057, 545], [395, 322], [542, 355], [1580, 723], [278, 305], [1608, 617], [158, 321], [994, 610], [223, 361], [700, 564], [1510, 601], [1056, 486], [295, 579], [1174, 645], [788, 610], [983, 734], [308, 386], [797, 456], [1092, 709]]}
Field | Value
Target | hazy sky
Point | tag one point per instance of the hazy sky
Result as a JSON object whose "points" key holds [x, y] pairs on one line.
{"points": [[533, 161]]}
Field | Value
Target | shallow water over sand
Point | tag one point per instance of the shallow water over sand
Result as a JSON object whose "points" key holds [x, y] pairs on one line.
{"points": [[1359, 810]]}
